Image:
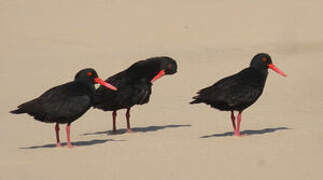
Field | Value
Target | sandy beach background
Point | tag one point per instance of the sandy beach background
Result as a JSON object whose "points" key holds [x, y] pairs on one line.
{"points": [[44, 43]]}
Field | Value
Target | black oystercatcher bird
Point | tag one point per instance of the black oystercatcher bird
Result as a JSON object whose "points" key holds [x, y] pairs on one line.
{"points": [[134, 86], [65, 103], [239, 91]]}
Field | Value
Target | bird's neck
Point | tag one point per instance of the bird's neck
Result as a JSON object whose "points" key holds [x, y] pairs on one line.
{"points": [[261, 76], [142, 77], [263, 71], [87, 84]]}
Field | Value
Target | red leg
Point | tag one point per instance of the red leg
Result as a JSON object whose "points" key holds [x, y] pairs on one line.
{"points": [[114, 116], [68, 134], [237, 131], [128, 121], [233, 120], [58, 142]]}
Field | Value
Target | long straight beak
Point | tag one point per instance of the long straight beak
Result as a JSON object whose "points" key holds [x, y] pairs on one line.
{"points": [[159, 75], [103, 83], [273, 67]]}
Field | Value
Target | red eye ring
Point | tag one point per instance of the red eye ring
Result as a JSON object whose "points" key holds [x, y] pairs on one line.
{"points": [[89, 73], [264, 59]]}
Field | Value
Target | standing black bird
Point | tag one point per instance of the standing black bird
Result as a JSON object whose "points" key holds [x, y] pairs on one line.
{"points": [[239, 91], [65, 103], [134, 86]]}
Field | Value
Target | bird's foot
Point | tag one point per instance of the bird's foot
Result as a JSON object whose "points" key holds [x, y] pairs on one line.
{"points": [[70, 146], [59, 145], [240, 135], [130, 131]]}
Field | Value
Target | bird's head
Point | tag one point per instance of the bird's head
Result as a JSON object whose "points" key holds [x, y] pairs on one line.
{"points": [[167, 65], [262, 62], [90, 76]]}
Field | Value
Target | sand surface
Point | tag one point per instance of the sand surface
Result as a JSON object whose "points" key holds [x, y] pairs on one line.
{"points": [[43, 43]]}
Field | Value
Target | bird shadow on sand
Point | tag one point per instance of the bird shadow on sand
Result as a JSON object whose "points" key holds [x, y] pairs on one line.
{"points": [[249, 132], [138, 129], [77, 143]]}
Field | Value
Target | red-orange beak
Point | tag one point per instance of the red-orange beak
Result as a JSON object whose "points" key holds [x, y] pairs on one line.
{"points": [[159, 75], [273, 67], [103, 83]]}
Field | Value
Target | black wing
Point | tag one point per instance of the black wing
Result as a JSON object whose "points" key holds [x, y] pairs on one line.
{"points": [[63, 103], [127, 95], [235, 92]]}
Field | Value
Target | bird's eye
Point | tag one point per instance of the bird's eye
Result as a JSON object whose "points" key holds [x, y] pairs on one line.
{"points": [[169, 66], [264, 59], [89, 73]]}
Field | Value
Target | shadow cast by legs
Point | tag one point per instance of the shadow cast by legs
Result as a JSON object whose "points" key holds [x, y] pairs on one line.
{"points": [[249, 132], [78, 143], [139, 129]]}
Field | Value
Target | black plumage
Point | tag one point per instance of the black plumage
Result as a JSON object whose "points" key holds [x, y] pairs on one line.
{"points": [[239, 91], [65, 103], [134, 86]]}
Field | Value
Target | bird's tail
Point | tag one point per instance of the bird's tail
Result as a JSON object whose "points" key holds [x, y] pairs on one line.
{"points": [[196, 100], [17, 111]]}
